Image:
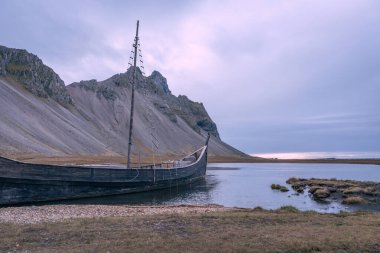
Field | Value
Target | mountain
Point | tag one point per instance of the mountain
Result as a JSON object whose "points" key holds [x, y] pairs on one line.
{"points": [[40, 116]]}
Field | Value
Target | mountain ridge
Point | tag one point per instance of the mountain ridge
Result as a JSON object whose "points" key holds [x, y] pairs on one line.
{"points": [[40, 115], [193, 113], [36, 77]]}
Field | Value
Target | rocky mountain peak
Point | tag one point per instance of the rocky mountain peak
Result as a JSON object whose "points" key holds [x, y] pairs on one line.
{"points": [[30, 71], [160, 82], [125, 79], [88, 85], [193, 113]]}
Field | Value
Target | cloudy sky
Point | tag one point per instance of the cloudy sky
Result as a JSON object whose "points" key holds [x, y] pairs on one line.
{"points": [[276, 76]]}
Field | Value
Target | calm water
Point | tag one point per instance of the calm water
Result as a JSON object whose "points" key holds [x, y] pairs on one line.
{"points": [[320, 155], [248, 185]]}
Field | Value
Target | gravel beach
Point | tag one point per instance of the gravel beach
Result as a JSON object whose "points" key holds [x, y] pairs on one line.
{"points": [[56, 213]]}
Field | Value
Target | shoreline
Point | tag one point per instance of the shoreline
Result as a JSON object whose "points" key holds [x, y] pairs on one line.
{"points": [[24, 215], [104, 159]]}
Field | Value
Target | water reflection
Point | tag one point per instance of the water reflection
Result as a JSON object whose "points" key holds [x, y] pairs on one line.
{"points": [[196, 192]]}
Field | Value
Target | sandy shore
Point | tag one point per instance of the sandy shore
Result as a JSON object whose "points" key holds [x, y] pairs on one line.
{"points": [[56, 213]]}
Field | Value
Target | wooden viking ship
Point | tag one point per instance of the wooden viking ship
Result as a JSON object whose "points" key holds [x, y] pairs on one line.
{"points": [[28, 183]]}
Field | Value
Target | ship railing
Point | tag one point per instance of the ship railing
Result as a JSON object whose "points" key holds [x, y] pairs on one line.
{"points": [[185, 161]]}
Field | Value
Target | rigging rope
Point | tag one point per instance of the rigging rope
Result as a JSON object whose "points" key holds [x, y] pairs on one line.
{"points": [[147, 112]]}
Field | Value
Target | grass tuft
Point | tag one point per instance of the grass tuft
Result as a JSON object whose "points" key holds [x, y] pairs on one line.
{"points": [[292, 180], [354, 200], [279, 188], [290, 209]]}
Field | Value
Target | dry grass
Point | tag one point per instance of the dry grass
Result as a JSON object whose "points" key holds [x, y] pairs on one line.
{"points": [[354, 190], [100, 159], [354, 200], [229, 231], [322, 193]]}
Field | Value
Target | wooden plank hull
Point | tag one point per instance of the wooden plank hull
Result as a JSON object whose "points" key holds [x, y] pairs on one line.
{"points": [[27, 183]]}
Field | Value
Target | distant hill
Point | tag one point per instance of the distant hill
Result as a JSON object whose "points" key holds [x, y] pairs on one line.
{"points": [[39, 115]]}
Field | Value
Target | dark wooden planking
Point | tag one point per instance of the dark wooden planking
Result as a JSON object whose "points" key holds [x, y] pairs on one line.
{"points": [[24, 183]]}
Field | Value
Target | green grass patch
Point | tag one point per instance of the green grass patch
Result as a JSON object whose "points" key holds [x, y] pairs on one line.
{"points": [[290, 209], [292, 180], [279, 187]]}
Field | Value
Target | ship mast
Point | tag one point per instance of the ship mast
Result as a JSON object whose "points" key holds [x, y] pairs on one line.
{"points": [[133, 96]]}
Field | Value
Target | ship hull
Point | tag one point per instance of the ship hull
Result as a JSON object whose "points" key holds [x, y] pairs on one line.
{"points": [[28, 183]]}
